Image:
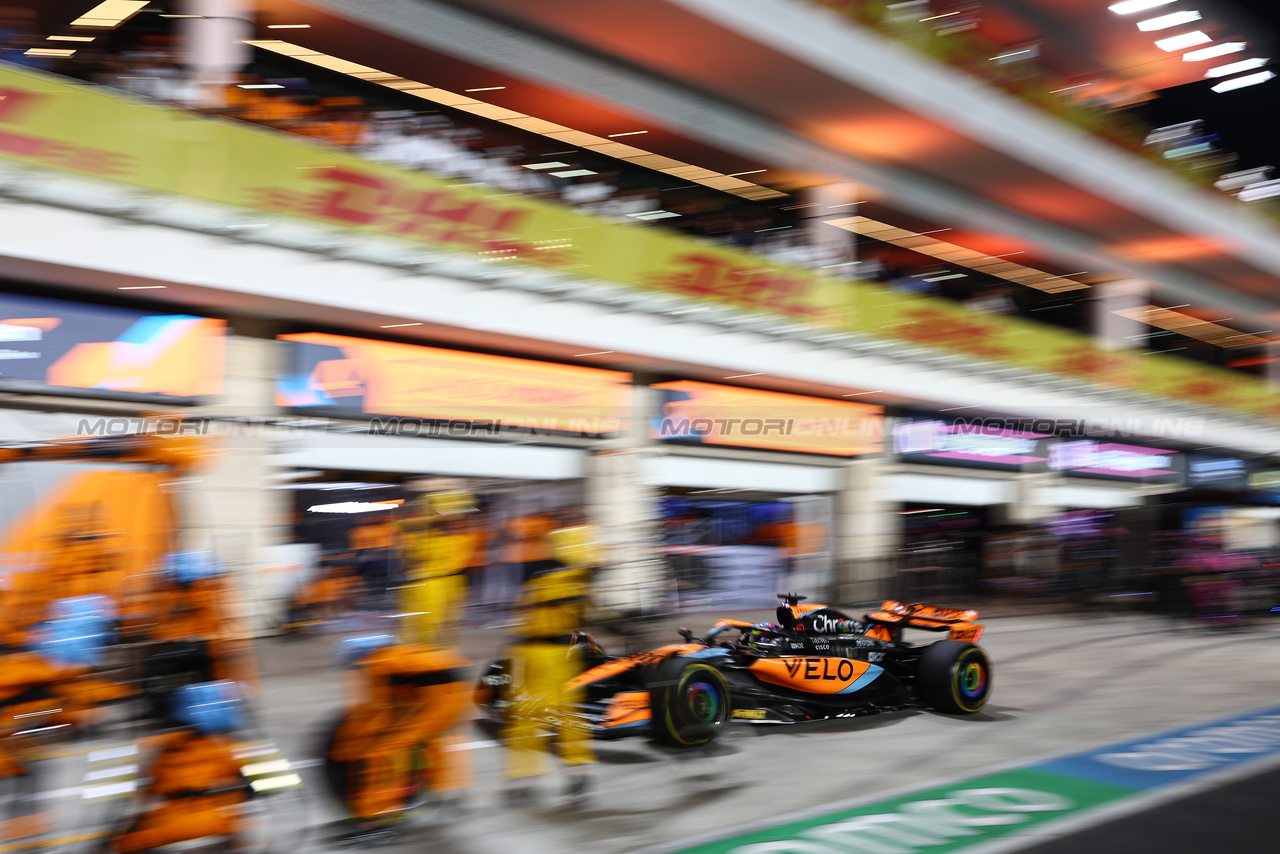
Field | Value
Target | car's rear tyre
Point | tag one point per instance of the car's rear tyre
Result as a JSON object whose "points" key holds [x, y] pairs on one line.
{"points": [[954, 677], [689, 702]]}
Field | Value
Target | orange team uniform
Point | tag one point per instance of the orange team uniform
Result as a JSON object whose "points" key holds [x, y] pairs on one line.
{"points": [[530, 534], [33, 689], [24, 690], [74, 568], [376, 535], [188, 765], [413, 696], [204, 611]]}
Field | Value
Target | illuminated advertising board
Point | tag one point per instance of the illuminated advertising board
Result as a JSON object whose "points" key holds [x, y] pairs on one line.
{"points": [[1264, 484], [424, 388], [53, 346], [1267, 480], [1209, 471], [1112, 460], [709, 414], [971, 444]]}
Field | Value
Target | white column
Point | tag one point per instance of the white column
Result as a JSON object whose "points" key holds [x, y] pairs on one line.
{"points": [[1113, 331], [624, 507], [1032, 502], [867, 532], [832, 245], [226, 504], [1033, 505], [1272, 367], [213, 45]]}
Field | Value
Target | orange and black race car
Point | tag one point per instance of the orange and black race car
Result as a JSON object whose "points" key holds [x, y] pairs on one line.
{"points": [[814, 663]]}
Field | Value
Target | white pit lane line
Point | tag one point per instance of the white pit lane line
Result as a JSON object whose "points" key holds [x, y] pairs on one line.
{"points": [[94, 776]]}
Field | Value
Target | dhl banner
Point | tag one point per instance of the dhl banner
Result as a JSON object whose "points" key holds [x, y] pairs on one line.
{"points": [[43, 121], [359, 376]]}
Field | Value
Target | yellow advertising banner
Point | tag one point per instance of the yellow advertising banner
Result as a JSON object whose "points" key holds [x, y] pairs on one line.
{"points": [[46, 121], [49, 122], [711, 414], [360, 376]]}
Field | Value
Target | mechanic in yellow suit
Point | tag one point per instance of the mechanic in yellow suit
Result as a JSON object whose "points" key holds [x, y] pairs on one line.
{"points": [[551, 607], [436, 556], [435, 561]]}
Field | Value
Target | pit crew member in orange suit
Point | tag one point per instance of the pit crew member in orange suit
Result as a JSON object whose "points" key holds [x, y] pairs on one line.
{"points": [[394, 741], [196, 789]]}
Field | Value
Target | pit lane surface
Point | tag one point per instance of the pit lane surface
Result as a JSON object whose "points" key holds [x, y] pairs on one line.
{"points": [[1061, 683], [1236, 817]]}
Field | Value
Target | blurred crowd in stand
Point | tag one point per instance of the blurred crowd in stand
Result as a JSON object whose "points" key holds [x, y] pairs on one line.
{"points": [[436, 143], [403, 135]]}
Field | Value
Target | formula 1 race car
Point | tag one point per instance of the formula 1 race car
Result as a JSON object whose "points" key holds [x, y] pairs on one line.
{"points": [[815, 663]]}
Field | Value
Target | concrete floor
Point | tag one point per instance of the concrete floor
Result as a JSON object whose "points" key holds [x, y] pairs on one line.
{"points": [[1061, 682]]}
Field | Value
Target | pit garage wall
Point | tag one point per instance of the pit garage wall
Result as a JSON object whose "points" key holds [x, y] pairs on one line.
{"points": [[226, 506]]}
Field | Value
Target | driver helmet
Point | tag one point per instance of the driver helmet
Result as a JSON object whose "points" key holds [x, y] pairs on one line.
{"points": [[79, 632], [209, 707], [351, 651], [583, 644], [760, 631]]}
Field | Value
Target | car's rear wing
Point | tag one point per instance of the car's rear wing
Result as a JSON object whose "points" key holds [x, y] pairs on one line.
{"points": [[960, 624]]}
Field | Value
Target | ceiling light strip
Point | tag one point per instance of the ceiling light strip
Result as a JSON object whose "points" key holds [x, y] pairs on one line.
{"points": [[1128, 7], [598, 144], [958, 255], [1215, 51], [1241, 82], [1182, 42], [1236, 67], [1191, 327], [110, 14], [1164, 22]]}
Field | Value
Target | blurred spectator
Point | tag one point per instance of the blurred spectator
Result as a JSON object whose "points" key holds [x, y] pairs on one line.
{"points": [[995, 299], [18, 33]]}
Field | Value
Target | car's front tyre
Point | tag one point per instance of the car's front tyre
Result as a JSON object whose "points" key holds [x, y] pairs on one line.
{"points": [[954, 677]]}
